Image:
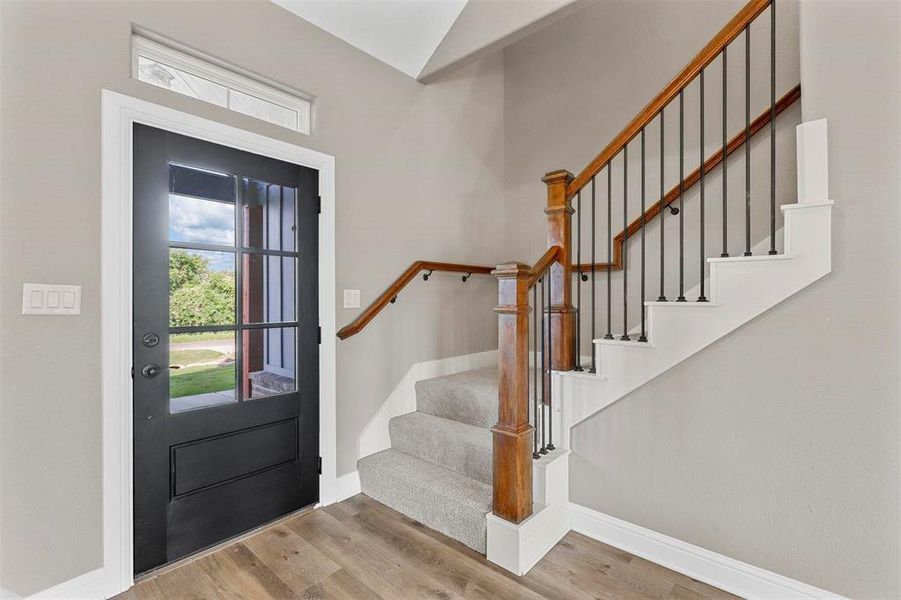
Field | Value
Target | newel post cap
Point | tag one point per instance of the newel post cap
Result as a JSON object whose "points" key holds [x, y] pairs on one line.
{"points": [[512, 270], [559, 176]]}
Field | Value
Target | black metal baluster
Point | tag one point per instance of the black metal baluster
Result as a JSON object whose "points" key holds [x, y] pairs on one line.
{"points": [[545, 353], [662, 297], [547, 408], [625, 337], [747, 140], [702, 297], [578, 336], [681, 297], [544, 358], [609, 334], [725, 252], [535, 454], [643, 337], [772, 127], [593, 269]]}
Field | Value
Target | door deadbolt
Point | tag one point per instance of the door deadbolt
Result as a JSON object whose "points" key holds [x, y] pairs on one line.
{"points": [[150, 340]]}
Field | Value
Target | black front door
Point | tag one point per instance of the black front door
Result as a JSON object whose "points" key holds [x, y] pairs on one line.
{"points": [[226, 353]]}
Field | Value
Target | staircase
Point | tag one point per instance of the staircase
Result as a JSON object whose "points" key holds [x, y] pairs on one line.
{"points": [[439, 468], [484, 457]]}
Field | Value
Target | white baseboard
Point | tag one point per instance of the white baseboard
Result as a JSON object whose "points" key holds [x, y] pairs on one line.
{"points": [[402, 399], [89, 586], [346, 486], [698, 563]]}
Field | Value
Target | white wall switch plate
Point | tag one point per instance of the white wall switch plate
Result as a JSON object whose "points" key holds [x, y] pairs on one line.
{"points": [[49, 299], [351, 298]]}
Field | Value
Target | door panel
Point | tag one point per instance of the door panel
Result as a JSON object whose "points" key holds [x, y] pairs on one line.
{"points": [[225, 348]]}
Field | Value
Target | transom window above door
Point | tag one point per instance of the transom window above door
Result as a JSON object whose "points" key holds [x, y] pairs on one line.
{"points": [[177, 70], [232, 288]]}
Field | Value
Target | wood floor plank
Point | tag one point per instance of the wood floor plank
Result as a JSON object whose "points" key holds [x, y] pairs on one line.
{"points": [[381, 571], [609, 566], [237, 573], [466, 576], [341, 585], [361, 549], [684, 581], [290, 557], [188, 582]]}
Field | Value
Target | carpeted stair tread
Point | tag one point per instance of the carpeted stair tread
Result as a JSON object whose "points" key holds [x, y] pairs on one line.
{"points": [[460, 447], [439, 498], [468, 397]]}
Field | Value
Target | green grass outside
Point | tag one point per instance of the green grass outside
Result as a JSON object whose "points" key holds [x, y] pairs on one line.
{"points": [[206, 336], [194, 356], [201, 380]]}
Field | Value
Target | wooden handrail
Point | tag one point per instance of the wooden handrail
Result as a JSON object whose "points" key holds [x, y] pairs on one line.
{"points": [[729, 32], [691, 179], [399, 284], [552, 255]]}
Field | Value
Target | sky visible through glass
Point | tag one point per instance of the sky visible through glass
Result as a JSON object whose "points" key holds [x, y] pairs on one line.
{"points": [[194, 220]]}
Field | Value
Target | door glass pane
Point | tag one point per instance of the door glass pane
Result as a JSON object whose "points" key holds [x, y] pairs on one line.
{"points": [[269, 216], [201, 370], [269, 359], [201, 288], [201, 206], [268, 288], [199, 221]]}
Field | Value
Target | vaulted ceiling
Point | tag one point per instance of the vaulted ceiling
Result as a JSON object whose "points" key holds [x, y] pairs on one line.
{"points": [[427, 38]]}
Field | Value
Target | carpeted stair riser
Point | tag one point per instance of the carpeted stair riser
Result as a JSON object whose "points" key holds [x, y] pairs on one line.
{"points": [[444, 500], [462, 448], [468, 397]]}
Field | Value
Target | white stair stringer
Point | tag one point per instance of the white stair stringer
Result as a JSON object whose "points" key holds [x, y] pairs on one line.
{"points": [[741, 288]]}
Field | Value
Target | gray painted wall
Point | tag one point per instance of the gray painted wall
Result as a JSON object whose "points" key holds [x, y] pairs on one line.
{"points": [[791, 463], [419, 175], [778, 445]]}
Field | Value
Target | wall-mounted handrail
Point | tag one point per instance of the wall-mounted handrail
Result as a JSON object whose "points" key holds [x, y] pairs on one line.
{"points": [[691, 179], [390, 294], [551, 255], [727, 34]]}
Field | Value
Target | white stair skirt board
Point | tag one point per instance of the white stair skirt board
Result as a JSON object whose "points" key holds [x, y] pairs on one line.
{"points": [[517, 547], [741, 288], [347, 486], [402, 400], [699, 563]]}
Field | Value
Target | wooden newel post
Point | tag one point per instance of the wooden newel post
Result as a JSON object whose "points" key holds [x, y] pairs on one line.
{"points": [[513, 434], [559, 233]]}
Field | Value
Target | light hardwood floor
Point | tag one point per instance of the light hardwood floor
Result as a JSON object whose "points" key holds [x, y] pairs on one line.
{"points": [[360, 548]]}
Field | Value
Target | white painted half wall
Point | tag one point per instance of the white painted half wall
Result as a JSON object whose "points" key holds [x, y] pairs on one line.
{"points": [[402, 399]]}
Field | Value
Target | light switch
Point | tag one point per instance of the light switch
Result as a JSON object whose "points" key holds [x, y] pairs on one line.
{"points": [[36, 299], [51, 299], [351, 298]]}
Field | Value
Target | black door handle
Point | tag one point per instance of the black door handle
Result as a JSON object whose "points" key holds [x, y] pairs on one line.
{"points": [[150, 371]]}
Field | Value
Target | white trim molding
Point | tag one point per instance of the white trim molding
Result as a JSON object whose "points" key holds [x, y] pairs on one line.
{"points": [[518, 547], [119, 113], [402, 400], [88, 586], [698, 563]]}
